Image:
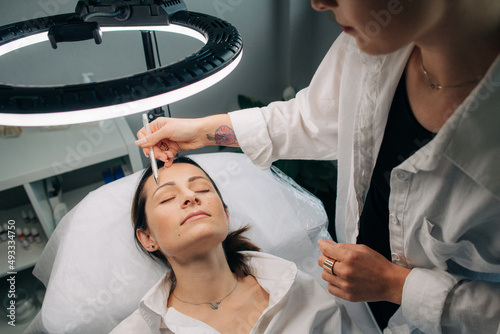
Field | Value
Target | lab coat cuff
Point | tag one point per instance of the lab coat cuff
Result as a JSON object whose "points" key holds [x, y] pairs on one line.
{"points": [[253, 138], [424, 295]]}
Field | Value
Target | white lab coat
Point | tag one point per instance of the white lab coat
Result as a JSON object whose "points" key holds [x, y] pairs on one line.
{"points": [[445, 199], [297, 304]]}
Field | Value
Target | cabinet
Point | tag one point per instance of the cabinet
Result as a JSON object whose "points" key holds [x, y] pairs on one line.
{"points": [[76, 155]]}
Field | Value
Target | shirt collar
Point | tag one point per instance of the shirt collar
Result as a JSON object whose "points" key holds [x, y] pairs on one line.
{"points": [[274, 275], [470, 137], [154, 304], [474, 143]]}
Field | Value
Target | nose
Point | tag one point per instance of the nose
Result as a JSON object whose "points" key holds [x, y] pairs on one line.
{"points": [[190, 197], [321, 5]]}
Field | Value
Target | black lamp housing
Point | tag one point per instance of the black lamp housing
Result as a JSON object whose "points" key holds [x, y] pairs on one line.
{"points": [[224, 45]]}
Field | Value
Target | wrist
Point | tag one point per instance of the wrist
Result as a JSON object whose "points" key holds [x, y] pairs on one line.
{"points": [[396, 284], [217, 130]]}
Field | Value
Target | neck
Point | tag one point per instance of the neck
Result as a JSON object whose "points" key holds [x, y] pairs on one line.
{"points": [[465, 42], [203, 278]]}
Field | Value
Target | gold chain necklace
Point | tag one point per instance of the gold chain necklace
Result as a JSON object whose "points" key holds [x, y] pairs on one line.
{"points": [[214, 305], [437, 86]]}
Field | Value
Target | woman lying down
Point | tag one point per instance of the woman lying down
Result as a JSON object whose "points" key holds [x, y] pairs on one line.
{"points": [[219, 282]]}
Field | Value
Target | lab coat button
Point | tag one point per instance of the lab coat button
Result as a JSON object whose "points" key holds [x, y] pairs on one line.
{"points": [[393, 219], [395, 257], [401, 175]]}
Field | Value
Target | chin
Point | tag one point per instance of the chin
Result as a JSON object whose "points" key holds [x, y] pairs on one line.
{"points": [[375, 47], [207, 231]]}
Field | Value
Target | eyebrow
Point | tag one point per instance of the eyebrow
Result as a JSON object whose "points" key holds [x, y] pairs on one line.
{"points": [[172, 183]]}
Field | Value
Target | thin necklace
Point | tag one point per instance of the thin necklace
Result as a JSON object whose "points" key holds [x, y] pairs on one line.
{"points": [[437, 86], [214, 305]]}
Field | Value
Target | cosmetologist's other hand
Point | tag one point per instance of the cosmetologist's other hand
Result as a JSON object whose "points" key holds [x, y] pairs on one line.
{"points": [[361, 274]]}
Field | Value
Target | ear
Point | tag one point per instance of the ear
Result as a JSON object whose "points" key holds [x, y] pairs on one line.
{"points": [[147, 241]]}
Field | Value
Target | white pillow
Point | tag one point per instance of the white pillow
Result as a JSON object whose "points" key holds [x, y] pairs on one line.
{"points": [[95, 275]]}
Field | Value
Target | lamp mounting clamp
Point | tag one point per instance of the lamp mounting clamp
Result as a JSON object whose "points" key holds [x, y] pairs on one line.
{"points": [[90, 15], [132, 12]]}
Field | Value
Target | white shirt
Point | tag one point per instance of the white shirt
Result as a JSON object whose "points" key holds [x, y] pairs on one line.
{"points": [[297, 304], [444, 203]]}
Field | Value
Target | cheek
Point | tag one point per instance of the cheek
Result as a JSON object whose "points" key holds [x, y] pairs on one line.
{"points": [[168, 239], [219, 209], [162, 224]]}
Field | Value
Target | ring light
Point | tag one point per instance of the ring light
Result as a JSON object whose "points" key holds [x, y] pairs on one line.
{"points": [[71, 104]]}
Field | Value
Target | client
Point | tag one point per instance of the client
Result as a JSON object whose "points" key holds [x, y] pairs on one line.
{"points": [[219, 282]]}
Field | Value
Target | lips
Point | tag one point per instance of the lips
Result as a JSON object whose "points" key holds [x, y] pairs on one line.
{"points": [[195, 216]]}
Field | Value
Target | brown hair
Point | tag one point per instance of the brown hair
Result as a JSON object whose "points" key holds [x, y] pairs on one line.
{"points": [[232, 245]]}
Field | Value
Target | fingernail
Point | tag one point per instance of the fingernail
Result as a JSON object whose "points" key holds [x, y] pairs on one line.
{"points": [[141, 141]]}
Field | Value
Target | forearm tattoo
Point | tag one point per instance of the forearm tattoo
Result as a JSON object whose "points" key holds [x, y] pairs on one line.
{"points": [[224, 135]]}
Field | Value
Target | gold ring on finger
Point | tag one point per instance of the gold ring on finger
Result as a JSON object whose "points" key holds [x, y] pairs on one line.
{"points": [[329, 265], [164, 146]]}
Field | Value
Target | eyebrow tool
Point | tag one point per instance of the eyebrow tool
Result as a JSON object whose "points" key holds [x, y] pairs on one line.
{"points": [[154, 166]]}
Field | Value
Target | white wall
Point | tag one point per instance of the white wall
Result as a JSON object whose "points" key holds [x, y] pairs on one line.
{"points": [[284, 41]]}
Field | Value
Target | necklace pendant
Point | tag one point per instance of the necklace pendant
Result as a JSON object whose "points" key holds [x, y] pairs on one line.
{"points": [[214, 305]]}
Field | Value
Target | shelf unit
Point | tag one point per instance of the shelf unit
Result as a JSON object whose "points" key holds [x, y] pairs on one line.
{"points": [[70, 153], [38, 154]]}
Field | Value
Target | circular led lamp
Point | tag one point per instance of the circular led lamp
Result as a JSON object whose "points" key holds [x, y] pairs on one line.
{"points": [[71, 104]]}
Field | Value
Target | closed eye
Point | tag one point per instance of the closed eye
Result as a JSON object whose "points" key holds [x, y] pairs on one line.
{"points": [[166, 200], [203, 191]]}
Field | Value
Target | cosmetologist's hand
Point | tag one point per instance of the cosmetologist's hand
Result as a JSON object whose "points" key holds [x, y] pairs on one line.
{"points": [[179, 134], [361, 274], [174, 133]]}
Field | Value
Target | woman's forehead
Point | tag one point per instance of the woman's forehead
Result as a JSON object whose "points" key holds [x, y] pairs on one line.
{"points": [[180, 170], [178, 173]]}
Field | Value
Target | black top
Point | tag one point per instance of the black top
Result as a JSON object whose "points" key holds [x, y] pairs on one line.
{"points": [[403, 136]]}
